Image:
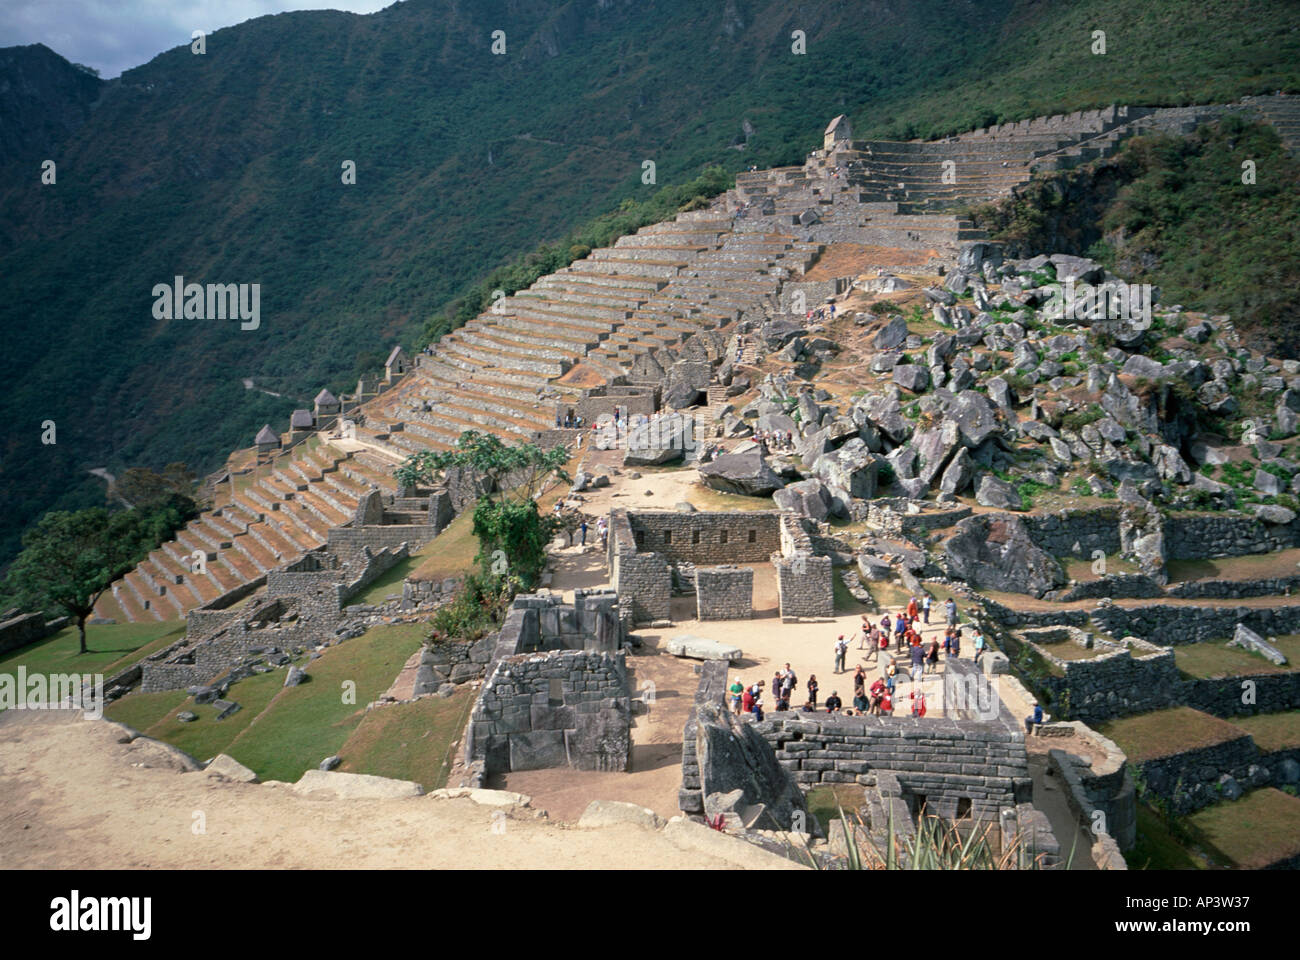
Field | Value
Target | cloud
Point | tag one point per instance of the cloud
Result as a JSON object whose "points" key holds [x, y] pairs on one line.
{"points": [[116, 36]]}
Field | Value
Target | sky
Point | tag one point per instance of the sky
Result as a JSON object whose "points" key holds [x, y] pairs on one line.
{"points": [[115, 35]]}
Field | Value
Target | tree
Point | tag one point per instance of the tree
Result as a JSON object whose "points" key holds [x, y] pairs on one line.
{"points": [[141, 487], [516, 471], [511, 532], [70, 558]]}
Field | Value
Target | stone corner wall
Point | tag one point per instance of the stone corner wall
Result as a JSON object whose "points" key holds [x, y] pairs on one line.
{"points": [[724, 593]]}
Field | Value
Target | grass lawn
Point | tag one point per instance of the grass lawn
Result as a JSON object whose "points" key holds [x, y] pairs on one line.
{"points": [[1069, 650], [845, 602], [822, 802], [1272, 731], [409, 741], [110, 647], [303, 725], [452, 553], [1164, 732], [143, 710], [1253, 566], [1156, 848], [207, 736], [1214, 658], [390, 581], [1260, 827]]}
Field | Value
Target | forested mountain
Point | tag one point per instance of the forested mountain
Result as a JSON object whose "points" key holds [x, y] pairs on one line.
{"points": [[227, 167]]}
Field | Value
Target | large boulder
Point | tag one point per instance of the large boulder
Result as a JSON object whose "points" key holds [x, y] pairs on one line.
{"points": [[1248, 639], [892, 334], [808, 498], [912, 377], [975, 416], [852, 468], [743, 473], [992, 492], [995, 552], [702, 648], [934, 448], [885, 413], [732, 755]]}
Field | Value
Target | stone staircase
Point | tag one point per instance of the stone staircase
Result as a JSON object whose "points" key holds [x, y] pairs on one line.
{"points": [[261, 520]]}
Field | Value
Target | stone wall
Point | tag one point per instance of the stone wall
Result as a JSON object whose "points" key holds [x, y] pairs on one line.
{"points": [[348, 540], [568, 708], [805, 587], [1197, 778], [1057, 533], [603, 401], [746, 536], [1197, 536], [711, 690], [1169, 625], [21, 630], [804, 581], [724, 593], [949, 765], [643, 580], [1122, 679], [944, 764], [891, 517]]}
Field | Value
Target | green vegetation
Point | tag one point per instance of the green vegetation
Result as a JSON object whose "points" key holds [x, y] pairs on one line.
{"points": [[1251, 832], [1157, 846], [630, 216], [409, 741], [113, 648], [1160, 733], [466, 161], [70, 558], [1272, 731], [1182, 219], [1214, 658]]}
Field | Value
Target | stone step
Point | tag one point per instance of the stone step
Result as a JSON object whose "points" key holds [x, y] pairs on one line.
{"points": [[628, 268], [573, 312], [533, 346], [150, 607], [630, 288], [531, 328], [477, 356]]}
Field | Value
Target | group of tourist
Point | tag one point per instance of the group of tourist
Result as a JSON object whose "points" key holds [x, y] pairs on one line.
{"points": [[570, 421], [768, 440], [822, 313], [877, 698]]}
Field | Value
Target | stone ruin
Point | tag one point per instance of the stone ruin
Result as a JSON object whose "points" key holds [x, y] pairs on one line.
{"points": [[970, 764], [706, 548], [556, 692]]}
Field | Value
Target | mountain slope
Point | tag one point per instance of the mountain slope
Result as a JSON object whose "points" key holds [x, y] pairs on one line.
{"points": [[226, 167]]}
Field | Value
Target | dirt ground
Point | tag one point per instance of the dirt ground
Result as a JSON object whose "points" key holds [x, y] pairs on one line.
{"points": [[73, 798]]}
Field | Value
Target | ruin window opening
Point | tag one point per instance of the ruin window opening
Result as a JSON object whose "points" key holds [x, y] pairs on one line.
{"points": [[724, 537], [695, 536], [668, 537], [963, 807], [555, 693], [753, 536]]}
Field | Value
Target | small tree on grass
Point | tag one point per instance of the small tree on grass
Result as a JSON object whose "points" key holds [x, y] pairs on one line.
{"points": [[70, 558], [511, 532]]}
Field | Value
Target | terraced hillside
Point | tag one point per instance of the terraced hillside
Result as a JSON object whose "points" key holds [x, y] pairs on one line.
{"points": [[582, 326]]}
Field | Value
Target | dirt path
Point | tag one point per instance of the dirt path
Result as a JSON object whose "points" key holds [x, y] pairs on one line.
{"points": [[74, 799]]}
